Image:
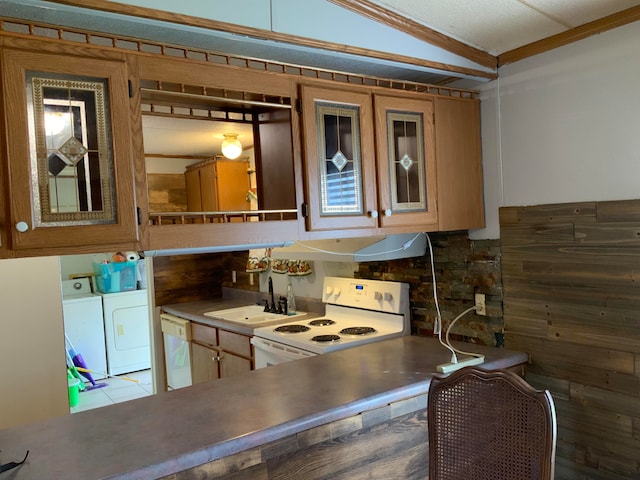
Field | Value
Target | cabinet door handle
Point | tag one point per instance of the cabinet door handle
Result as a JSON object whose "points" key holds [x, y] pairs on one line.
{"points": [[22, 227], [373, 214], [387, 212]]}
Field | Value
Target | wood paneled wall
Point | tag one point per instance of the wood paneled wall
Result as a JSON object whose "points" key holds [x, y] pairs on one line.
{"points": [[167, 192], [571, 278], [188, 278], [386, 443]]}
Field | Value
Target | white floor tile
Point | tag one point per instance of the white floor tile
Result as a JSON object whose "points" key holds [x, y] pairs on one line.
{"points": [[116, 390]]}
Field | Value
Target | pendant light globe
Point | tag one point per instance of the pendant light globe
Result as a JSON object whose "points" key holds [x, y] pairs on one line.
{"points": [[231, 146]]}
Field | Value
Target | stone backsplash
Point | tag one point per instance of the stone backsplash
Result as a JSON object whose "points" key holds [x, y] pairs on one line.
{"points": [[463, 267]]}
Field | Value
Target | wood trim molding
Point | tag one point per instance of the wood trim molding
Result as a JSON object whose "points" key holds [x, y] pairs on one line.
{"points": [[579, 33], [153, 14], [417, 30]]}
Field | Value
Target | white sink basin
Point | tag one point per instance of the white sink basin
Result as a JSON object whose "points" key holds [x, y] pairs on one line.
{"points": [[250, 315]]}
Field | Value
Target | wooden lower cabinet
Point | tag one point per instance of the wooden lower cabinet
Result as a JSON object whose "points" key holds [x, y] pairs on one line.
{"points": [[204, 363], [218, 353]]}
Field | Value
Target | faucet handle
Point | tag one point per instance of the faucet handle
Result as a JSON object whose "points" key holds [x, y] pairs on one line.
{"points": [[266, 305], [282, 305]]}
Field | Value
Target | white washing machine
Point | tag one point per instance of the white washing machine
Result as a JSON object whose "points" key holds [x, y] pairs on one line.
{"points": [[127, 333], [83, 324]]}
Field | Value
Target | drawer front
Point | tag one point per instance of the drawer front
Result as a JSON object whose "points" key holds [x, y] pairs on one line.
{"points": [[236, 343], [204, 334]]}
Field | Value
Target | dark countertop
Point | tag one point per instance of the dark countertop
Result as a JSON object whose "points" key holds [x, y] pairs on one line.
{"points": [[172, 431]]}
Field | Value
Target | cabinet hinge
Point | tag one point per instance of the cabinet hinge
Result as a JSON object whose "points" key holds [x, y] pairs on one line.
{"points": [[139, 215], [434, 117], [130, 89], [299, 106], [304, 210]]}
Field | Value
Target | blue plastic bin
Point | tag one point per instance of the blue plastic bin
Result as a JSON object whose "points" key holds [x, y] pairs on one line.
{"points": [[115, 277]]}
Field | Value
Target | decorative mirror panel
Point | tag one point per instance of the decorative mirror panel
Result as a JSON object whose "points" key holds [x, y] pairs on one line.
{"points": [[71, 150]]}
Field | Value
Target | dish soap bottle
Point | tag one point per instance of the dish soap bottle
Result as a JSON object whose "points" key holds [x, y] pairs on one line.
{"points": [[291, 301]]}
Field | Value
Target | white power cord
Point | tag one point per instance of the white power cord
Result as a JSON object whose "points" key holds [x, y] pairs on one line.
{"points": [[437, 327], [437, 324]]}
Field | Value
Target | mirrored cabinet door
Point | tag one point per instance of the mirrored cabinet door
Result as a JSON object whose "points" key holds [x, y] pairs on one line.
{"points": [[339, 157], [70, 166], [406, 156]]}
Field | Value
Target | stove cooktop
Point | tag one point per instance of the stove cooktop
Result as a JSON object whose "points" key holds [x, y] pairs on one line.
{"points": [[339, 329]]}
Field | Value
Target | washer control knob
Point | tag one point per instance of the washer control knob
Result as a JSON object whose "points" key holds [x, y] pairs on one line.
{"points": [[377, 296], [387, 297], [337, 291], [22, 227], [328, 291]]}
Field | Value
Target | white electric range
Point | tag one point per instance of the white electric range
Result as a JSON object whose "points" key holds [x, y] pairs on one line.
{"points": [[357, 312]]}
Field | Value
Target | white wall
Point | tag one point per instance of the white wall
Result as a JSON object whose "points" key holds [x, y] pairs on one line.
{"points": [[564, 126], [32, 351]]}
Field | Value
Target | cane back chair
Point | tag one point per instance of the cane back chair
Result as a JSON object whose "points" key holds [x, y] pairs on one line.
{"points": [[490, 425]]}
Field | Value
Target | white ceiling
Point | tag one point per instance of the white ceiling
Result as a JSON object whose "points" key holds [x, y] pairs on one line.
{"points": [[179, 136], [498, 26]]}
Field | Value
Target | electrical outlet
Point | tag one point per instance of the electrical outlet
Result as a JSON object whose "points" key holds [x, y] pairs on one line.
{"points": [[481, 307]]}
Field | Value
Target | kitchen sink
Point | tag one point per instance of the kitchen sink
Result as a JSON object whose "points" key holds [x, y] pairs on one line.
{"points": [[250, 315]]}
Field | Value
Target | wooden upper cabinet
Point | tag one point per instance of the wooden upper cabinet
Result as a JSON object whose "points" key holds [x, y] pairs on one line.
{"points": [[218, 185], [459, 164], [70, 169], [339, 159], [406, 161]]}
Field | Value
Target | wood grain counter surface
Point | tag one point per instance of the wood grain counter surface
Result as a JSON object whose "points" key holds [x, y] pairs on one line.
{"points": [[172, 431]]}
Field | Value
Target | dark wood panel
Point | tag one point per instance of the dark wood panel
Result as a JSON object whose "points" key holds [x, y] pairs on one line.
{"points": [[341, 455], [534, 234], [570, 252], [604, 233], [394, 447], [572, 304], [167, 192], [584, 212], [185, 278], [627, 211]]}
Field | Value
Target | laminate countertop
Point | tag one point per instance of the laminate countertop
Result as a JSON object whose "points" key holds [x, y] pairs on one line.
{"points": [[172, 431]]}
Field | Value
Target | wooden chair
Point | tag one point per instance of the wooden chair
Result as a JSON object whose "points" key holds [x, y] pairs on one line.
{"points": [[490, 425]]}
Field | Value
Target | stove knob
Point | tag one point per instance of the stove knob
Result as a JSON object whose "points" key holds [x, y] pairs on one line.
{"points": [[377, 296], [387, 297]]}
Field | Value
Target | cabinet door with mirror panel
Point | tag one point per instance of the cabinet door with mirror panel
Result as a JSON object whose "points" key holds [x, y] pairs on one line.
{"points": [[68, 150], [406, 161], [339, 157]]}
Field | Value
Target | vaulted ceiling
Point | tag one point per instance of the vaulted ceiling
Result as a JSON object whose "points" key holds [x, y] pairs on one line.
{"points": [[430, 41]]}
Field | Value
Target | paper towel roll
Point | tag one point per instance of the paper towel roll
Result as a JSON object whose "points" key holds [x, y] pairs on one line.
{"points": [[132, 256]]}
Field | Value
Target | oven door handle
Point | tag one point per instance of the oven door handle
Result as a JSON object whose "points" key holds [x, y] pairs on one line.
{"points": [[280, 349]]}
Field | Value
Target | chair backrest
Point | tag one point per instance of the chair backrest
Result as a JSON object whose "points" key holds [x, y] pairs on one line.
{"points": [[490, 425]]}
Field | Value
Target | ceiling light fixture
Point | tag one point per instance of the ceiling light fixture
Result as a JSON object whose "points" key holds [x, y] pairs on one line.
{"points": [[231, 146]]}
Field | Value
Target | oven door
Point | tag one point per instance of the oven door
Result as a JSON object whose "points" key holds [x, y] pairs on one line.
{"points": [[268, 353]]}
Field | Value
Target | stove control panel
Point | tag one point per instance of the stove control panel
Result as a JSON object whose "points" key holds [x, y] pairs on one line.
{"points": [[392, 297]]}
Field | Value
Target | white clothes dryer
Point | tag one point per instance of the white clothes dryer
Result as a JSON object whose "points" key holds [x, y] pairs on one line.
{"points": [[127, 332]]}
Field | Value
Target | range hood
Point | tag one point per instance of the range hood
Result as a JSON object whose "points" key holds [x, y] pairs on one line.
{"points": [[361, 249]]}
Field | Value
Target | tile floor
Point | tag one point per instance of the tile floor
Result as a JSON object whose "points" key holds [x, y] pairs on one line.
{"points": [[117, 390]]}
